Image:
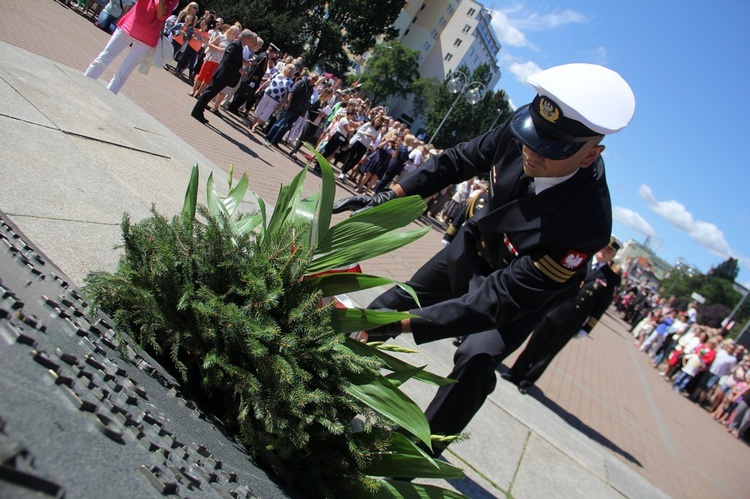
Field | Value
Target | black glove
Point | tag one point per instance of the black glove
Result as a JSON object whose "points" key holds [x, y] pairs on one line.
{"points": [[384, 333], [358, 204]]}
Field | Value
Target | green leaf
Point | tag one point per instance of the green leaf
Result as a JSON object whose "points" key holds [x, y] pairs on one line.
{"points": [[262, 208], [230, 176], [215, 205], [391, 489], [359, 252], [327, 194], [191, 195], [286, 203], [236, 195], [349, 282], [403, 457], [304, 216], [248, 223], [384, 397], [349, 320], [392, 363], [365, 226], [400, 377]]}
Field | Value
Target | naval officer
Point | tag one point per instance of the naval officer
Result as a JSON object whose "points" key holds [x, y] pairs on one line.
{"points": [[526, 251]]}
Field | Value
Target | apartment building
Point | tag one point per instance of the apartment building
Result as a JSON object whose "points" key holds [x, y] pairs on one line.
{"points": [[447, 34]]}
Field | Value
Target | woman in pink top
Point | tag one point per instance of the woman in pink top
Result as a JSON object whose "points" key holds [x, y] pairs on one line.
{"points": [[141, 26]]}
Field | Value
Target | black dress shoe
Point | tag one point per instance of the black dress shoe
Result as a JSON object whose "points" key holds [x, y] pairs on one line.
{"points": [[508, 376], [200, 118], [459, 339], [525, 387]]}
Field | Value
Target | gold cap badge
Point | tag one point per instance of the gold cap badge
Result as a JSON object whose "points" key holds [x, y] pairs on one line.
{"points": [[549, 110]]}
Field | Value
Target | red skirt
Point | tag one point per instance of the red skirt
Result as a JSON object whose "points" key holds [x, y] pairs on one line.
{"points": [[207, 71]]}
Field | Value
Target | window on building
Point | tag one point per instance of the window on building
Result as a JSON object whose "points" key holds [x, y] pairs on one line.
{"points": [[441, 22], [467, 28], [448, 57], [414, 20], [426, 47], [434, 34], [422, 7], [457, 43], [406, 32], [471, 12], [451, 10]]}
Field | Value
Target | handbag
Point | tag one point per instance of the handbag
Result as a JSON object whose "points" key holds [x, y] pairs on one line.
{"points": [[162, 52], [157, 56]]}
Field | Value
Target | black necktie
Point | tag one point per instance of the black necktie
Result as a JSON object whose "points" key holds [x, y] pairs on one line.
{"points": [[523, 186]]}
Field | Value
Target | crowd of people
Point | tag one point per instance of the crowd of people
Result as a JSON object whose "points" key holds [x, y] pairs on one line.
{"points": [[289, 103], [699, 362], [282, 100]]}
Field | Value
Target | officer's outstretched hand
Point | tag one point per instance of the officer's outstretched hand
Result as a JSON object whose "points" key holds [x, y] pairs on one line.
{"points": [[358, 204]]}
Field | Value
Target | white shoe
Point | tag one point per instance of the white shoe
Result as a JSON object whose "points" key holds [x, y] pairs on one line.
{"points": [[342, 176]]}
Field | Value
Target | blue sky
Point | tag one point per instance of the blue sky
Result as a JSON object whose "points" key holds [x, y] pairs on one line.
{"points": [[680, 172]]}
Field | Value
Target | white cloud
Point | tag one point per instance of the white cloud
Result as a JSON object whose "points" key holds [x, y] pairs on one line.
{"points": [[598, 55], [633, 221], [506, 31], [542, 22], [509, 24], [706, 234], [522, 70]]}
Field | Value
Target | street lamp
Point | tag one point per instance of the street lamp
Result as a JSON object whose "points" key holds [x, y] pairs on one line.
{"points": [[456, 84], [499, 113]]}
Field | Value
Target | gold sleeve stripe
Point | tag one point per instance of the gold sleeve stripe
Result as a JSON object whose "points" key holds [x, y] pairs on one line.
{"points": [[592, 322], [553, 270], [451, 231]]}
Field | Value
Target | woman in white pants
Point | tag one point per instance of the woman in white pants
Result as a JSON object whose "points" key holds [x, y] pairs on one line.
{"points": [[141, 26]]}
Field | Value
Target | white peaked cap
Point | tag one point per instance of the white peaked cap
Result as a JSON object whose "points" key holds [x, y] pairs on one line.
{"points": [[593, 95]]}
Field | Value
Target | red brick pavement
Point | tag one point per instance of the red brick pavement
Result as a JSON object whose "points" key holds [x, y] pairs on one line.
{"points": [[602, 386]]}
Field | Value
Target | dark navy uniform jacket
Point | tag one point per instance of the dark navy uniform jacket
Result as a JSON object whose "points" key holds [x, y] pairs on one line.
{"points": [[228, 71], [590, 303], [516, 256]]}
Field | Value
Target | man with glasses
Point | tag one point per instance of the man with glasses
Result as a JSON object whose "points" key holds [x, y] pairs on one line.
{"points": [[527, 251]]}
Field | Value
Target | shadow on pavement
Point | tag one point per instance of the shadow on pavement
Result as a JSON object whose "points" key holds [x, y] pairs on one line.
{"points": [[581, 426], [470, 488]]}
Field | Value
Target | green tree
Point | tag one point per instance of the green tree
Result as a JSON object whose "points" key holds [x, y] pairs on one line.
{"points": [[727, 270], [466, 121], [716, 287], [320, 31], [682, 282], [423, 91], [392, 70]]}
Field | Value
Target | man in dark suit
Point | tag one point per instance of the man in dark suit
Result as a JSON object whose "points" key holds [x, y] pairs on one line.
{"points": [[227, 74], [527, 250], [577, 316], [246, 93]]}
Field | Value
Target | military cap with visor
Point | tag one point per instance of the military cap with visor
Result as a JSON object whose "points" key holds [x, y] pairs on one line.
{"points": [[574, 104]]}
